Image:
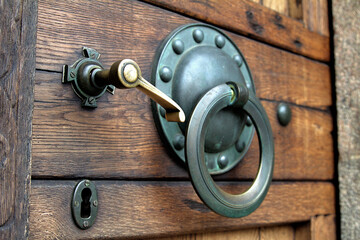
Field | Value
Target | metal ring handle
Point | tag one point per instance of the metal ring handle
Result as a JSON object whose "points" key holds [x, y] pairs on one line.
{"points": [[215, 198]]}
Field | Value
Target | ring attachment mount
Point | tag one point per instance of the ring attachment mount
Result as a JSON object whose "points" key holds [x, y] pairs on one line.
{"points": [[190, 61], [90, 80]]}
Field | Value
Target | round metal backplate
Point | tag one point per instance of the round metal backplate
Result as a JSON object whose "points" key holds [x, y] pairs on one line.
{"points": [[170, 58]]}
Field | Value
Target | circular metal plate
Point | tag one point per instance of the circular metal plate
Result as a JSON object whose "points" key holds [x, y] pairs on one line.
{"points": [[170, 56]]}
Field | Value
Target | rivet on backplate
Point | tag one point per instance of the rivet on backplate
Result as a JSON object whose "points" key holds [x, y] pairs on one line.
{"points": [[222, 161], [238, 60], [179, 141], [165, 74], [198, 35], [219, 41], [178, 46]]}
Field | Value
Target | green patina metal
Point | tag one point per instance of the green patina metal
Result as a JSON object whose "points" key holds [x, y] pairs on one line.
{"points": [[84, 204], [190, 61], [213, 196], [79, 75]]}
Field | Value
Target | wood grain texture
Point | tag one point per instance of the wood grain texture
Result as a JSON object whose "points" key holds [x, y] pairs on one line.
{"points": [[9, 43], [119, 139], [315, 16], [277, 233], [295, 9], [244, 234], [317, 228], [323, 227], [150, 209], [134, 30], [256, 1], [257, 21], [17, 71], [280, 6], [302, 231]]}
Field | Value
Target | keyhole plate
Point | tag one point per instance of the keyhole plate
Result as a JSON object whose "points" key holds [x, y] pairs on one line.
{"points": [[84, 204]]}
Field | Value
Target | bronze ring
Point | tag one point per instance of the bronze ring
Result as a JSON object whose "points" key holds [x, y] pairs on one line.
{"points": [[215, 198]]}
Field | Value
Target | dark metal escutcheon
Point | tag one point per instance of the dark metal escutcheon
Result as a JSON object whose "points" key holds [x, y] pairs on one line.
{"points": [[84, 204], [190, 61], [79, 75]]}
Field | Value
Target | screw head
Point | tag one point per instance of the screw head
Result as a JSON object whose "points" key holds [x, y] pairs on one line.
{"points": [[85, 224], [72, 74], [87, 183], [284, 114], [178, 46], [179, 141], [91, 100], [95, 203], [165, 74], [198, 35], [219, 41], [238, 60], [239, 146], [222, 161], [76, 203]]}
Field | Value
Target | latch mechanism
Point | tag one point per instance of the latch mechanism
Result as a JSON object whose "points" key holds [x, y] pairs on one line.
{"points": [[90, 81]]}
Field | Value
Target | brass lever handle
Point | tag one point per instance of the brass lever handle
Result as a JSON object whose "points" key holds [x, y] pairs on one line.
{"points": [[127, 74], [90, 81]]}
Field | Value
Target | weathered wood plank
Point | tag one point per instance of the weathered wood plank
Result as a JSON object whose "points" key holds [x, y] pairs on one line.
{"points": [[318, 228], [131, 209], [17, 72], [277, 233], [119, 139], [256, 1], [315, 16], [295, 9], [279, 6], [323, 227], [254, 20], [244, 234], [278, 75], [302, 231]]}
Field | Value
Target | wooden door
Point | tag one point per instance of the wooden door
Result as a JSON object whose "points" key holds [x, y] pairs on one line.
{"points": [[143, 191]]}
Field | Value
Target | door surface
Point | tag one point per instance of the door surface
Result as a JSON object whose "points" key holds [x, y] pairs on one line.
{"points": [[144, 192]]}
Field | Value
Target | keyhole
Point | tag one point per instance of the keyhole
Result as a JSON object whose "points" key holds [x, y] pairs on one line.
{"points": [[85, 204]]}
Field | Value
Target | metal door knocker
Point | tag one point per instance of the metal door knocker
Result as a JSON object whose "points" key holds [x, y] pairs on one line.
{"points": [[202, 69], [198, 72]]}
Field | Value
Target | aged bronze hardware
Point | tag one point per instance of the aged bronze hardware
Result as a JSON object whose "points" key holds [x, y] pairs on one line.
{"points": [[212, 102], [190, 61], [90, 81], [284, 114], [202, 69], [84, 204]]}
